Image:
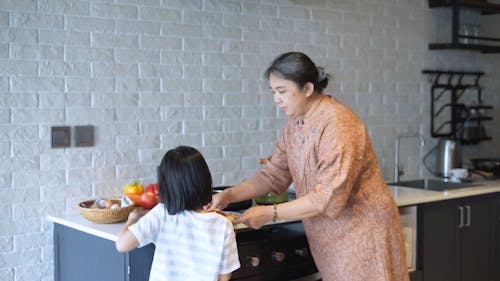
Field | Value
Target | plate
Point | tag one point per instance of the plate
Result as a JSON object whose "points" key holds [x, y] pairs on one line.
{"points": [[232, 216]]}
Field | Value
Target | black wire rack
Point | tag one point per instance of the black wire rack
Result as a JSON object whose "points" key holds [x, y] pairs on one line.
{"points": [[457, 105]]}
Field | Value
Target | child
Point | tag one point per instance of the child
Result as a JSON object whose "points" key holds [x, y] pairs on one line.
{"points": [[190, 244]]}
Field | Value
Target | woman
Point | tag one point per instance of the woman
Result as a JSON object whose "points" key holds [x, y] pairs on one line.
{"points": [[350, 217], [191, 244]]}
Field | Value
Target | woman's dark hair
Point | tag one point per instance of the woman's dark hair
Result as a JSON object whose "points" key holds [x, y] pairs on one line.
{"points": [[185, 180], [299, 68]]}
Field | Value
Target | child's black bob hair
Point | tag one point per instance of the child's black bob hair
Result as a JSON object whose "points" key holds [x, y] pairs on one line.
{"points": [[185, 180]]}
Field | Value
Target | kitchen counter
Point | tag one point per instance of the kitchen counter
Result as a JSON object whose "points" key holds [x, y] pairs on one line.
{"points": [[111, 231], [404, 196]]}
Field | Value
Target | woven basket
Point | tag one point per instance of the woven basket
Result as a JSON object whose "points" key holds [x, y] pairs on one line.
{"points": [[104, 215]]}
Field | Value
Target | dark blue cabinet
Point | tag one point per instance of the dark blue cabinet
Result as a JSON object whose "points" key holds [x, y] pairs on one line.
{"points": [[82, 256]]}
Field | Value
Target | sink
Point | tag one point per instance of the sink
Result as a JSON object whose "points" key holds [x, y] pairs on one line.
{"points": [[433, 184]]}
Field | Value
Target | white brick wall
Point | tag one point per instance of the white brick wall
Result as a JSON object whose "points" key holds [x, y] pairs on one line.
{"points": [[150, 75]]}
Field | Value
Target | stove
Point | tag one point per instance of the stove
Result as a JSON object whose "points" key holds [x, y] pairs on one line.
{"points": [[274, 252]]}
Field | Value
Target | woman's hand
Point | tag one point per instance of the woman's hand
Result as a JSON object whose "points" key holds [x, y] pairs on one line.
{"points": [[256, 217], [220, 200]]}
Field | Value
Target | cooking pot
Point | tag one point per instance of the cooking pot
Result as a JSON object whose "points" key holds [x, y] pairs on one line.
{"points": [[272, 198], [490, 165], [235, 206]]}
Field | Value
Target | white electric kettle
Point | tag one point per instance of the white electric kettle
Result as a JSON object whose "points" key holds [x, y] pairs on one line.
{"points": [[448, 157]]}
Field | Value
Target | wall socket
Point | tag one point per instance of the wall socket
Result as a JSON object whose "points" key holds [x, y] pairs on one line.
{"points": [[61, 136], [84, 135]]}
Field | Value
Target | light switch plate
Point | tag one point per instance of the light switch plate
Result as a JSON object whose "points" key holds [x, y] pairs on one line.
{"points": [[60, 136], [84, 135]]}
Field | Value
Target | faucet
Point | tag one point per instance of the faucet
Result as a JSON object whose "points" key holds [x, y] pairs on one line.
{"points": [[396, 154]]}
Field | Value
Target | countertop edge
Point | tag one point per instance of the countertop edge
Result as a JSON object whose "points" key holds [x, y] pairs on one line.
{"points": [[111, 231], [414, 196], [404, 196], [79, 223]]}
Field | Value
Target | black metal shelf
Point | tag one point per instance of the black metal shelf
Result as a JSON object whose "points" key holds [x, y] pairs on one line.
{"points": [[486, 49], [485, 7], [482, 44], [482, 118], [480, 107], [450, 117], [475, 73], [475, 141]]}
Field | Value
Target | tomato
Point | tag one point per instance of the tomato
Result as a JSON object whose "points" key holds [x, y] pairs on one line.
{"points": [[153, 188], [135, 188], [149, 200]]}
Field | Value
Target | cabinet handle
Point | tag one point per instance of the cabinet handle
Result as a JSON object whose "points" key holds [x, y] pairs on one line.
{"points": [[461, 217], [467, 208]]}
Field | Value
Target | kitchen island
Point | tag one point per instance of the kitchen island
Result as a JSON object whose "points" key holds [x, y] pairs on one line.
{"points": [[84, 250], [73, 234]]}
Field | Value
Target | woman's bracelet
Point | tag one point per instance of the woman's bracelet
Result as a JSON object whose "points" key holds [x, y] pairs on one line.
{"points": [[275, 216]]}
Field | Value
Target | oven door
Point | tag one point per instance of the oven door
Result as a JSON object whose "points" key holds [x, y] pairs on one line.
{"points": [[275, 253]]}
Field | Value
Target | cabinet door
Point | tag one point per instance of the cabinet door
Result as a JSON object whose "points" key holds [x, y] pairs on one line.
{"points": [[79, 256], [441, 241], [140, 261], [476, 240], [496, 240]]}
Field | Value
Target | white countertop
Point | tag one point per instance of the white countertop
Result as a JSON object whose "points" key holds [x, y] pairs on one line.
{"points": [[111, 231], [404, 196], [412, 196]]}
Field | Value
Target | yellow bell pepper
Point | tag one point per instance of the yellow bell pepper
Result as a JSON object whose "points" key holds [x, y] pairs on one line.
{"points": [[134, 188]]}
